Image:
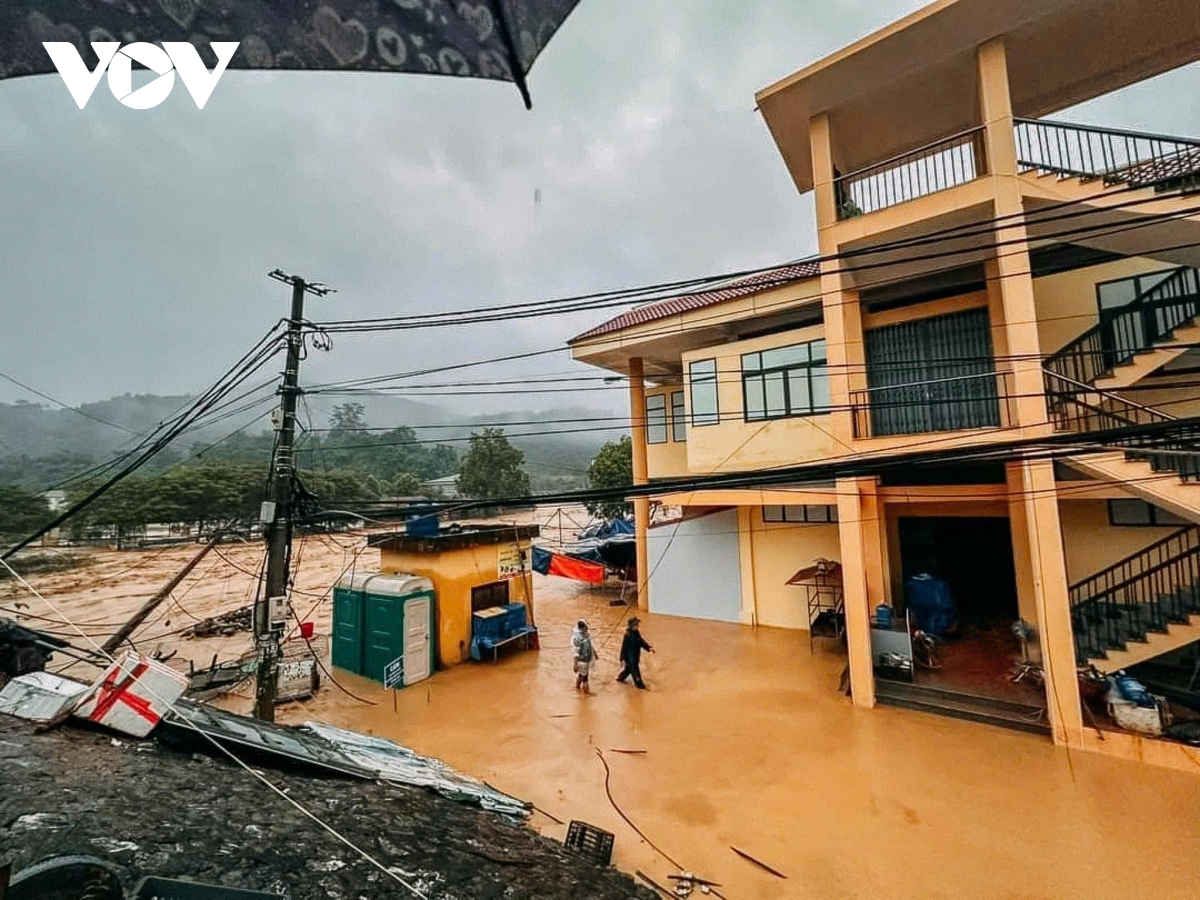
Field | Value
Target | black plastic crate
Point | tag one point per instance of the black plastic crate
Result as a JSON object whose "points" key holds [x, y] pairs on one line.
{"points": [[591, 842], [170, 889]]}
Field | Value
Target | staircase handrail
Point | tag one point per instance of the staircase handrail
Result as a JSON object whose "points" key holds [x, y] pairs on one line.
{"points": [[1154, 415], [1149, 568], [1088, 351], [1090, 151], [1115, 132]]}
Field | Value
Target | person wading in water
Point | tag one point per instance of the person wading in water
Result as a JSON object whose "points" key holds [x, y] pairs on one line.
{"points": [[583, 654], [632, 646]]}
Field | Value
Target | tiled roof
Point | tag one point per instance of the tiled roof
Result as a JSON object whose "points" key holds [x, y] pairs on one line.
{"points": [[673, 306]]}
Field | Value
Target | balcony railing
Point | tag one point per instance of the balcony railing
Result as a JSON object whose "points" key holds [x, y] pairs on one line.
{"points": [[960, 403], [1135, 158], [935, 167], [1148, 319]]}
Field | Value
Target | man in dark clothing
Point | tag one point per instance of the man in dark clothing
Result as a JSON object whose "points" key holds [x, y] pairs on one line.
{"points": [[631, 654]]}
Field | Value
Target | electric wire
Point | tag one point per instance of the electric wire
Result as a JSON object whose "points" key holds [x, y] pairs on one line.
{"points": [[257, 775]]}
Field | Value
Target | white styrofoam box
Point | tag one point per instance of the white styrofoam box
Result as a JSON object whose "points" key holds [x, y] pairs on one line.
{"points": [[39, 696], [132, 695], [1143, 720]]}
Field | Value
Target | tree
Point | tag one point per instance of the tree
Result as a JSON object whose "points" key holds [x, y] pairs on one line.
{"points": [[492, 468], [21, 511], [406, 484], [348, 418], [611, 468]]}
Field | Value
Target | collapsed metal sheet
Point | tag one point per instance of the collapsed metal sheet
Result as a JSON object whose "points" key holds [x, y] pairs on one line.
{"points": [[196, 727], [391, 762], [40, 696]]}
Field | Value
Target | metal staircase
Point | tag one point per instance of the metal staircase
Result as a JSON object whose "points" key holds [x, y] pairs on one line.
{"points": [[1140, 607], [1147, 322], [1077, 402]]}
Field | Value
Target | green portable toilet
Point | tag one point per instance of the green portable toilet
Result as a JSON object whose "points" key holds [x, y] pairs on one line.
{"points": [[348, 603], [398, 622]]}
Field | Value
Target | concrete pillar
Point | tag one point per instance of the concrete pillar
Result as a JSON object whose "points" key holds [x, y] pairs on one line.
{"points": [[745, 516], [1047, 574], [641, 475], [1037, 532], [1010, 269], [857, 521], [1027, 604], [843, 317]]}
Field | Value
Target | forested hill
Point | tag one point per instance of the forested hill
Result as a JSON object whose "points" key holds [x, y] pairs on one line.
{"points": [[41, 445]]}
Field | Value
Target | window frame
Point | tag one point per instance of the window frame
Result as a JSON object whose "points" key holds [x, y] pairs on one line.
{"points": [[1154, 516], [678, 416], [706, 379], [1137, 281], [800, 514], [483, 596], [664, 424], [810, 368]]}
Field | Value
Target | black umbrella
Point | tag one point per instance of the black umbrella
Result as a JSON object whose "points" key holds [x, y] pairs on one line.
{"points": [[497, 39]]}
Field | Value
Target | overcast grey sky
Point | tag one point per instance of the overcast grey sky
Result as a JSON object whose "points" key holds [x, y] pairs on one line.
{"points": [[134, 245]]}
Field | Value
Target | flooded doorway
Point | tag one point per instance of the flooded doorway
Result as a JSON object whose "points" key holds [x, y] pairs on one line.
{"points": [[965, 564]]}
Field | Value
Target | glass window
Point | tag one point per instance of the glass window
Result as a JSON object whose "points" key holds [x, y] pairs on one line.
{"points": [[703, 378], [800, 514], [786, 381], [656, 419], [1115, 294], [678, 417], [1139, 513]]}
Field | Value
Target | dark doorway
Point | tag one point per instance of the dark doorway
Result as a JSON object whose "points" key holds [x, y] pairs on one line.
{"points": [[967, 660], [974, 556]]}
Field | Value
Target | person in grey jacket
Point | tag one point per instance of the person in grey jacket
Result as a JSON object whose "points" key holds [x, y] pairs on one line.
{"points": [[583, 654]]}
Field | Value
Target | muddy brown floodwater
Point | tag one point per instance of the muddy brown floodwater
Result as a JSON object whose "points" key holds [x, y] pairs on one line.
{"points": [[747, 743]]}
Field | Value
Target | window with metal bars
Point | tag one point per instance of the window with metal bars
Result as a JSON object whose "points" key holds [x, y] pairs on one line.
{"points": [[935, 374]]}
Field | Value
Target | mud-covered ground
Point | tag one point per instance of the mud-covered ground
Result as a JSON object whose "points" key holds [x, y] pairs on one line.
{"points": [[153, 811]]}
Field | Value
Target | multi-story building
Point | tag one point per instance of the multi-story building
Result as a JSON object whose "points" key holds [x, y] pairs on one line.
{"points": [[987, 276]]}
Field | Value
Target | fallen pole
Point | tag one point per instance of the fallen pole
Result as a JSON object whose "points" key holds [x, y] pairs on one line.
{"points": [[758, 862], [110, 646]]}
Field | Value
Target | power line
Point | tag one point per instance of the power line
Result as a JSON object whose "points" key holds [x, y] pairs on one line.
{"points": [[66, 406], [250, 362], [1048, 447], [768, 278]]}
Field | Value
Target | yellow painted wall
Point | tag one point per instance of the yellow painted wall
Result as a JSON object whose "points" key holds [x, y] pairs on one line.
{"points": [[1091, 544], [1066, 303], [736, 444], [1180, 402], [669, 459], [777, 551], [454, 573]]}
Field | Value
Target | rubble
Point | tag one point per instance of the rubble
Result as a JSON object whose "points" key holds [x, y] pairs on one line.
{"points": [[153, 811]]}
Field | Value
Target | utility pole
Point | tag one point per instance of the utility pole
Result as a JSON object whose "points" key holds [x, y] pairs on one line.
{"points": [[271, 605]]}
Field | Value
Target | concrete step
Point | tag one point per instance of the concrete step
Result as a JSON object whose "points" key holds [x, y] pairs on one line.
{"points": [[1149, 361], [956, 705]]}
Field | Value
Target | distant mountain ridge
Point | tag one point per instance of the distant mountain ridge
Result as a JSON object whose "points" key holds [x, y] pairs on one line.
{"points": [[96, 431]]}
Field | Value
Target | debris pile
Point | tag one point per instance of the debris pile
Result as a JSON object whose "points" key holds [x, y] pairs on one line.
{"points": [[223, 625], [151, 811]]}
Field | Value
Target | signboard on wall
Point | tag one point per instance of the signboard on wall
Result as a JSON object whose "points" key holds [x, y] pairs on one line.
{"points": [[512, 561]]}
